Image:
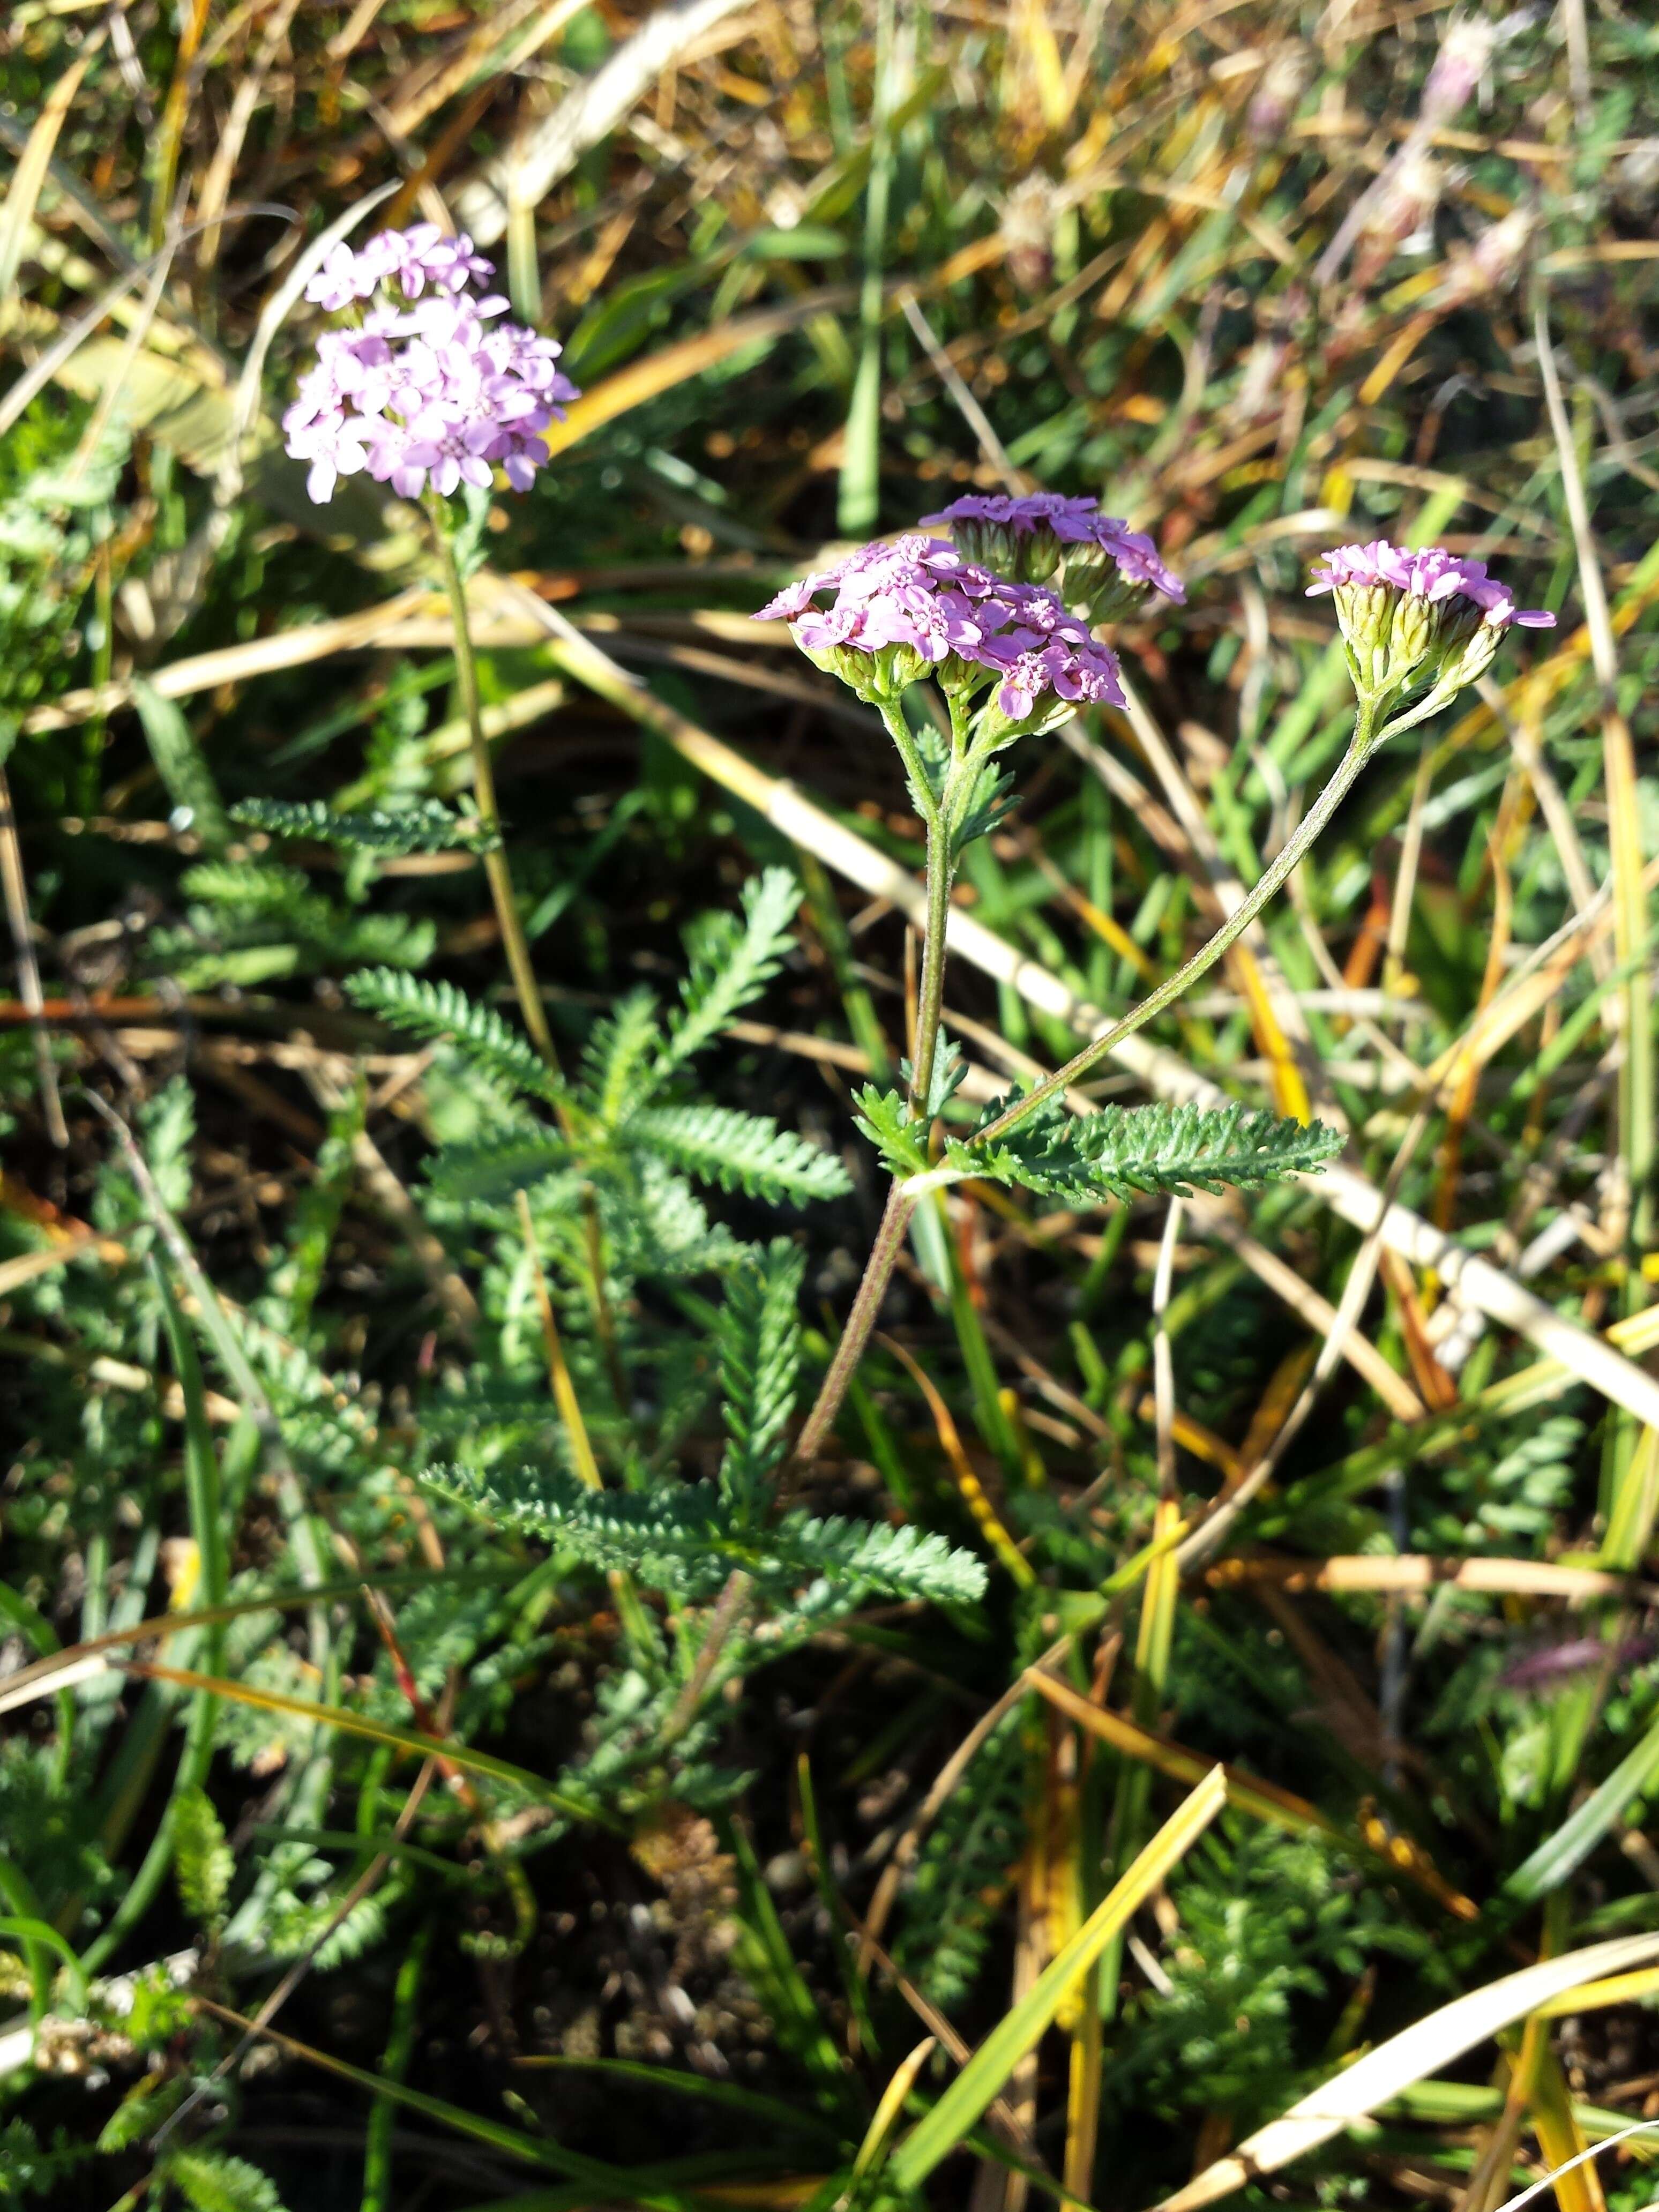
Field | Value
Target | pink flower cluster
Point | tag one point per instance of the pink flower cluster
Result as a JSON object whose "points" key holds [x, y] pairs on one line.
{"points": [[430, 386], [411, 259], [1072, 522], [920, 594], [1431, 574]]}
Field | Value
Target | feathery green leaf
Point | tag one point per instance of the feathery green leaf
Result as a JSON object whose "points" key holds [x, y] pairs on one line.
{"points": [[739, 1151], [732, 962], [759, 1339], [427, 826], [438, 1010]]}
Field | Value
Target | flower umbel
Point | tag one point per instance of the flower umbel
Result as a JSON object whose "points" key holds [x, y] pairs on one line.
{"points": [[1415, 621], [919, 608], [1098, 566], [429, 386]]}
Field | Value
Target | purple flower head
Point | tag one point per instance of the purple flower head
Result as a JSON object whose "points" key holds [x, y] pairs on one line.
{"points": [[1045, 648], [431, 386], [1100, 564], [1417, 620], [917, 607], [900, 610], [1431, 574]]}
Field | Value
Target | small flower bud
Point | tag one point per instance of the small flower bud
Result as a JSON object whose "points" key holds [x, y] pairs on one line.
{"points": [[1097, 565]]}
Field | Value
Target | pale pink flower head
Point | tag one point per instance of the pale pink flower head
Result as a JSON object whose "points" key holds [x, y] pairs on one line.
{"points": [[429, 386], [1412, 618], [1095, 563]]}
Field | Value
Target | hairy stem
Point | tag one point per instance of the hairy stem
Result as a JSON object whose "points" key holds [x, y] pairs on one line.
{"points": [[877, 1273], [896, 1216], [1361, 745], [483, 784]]}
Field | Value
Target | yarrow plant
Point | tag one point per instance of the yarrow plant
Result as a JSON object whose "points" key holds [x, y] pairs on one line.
{"points": [[430, 391], [1003, 616]]}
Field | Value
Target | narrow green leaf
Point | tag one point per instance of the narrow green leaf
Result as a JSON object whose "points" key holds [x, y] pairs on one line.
{"points": [[981, 2079], [182, 767]]}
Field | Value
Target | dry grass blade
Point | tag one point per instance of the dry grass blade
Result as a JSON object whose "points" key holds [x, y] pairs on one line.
{"points": [[974, 1496], [551, 147], [661, 371], [1418, 1571], [1263, 1800], [1421, 2050], [30, 173]]}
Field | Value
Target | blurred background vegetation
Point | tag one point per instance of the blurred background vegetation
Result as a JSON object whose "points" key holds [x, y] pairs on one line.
{"points": [[1262, 277]]}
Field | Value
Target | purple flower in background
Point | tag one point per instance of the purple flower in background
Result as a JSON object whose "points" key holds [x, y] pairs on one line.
{"points": [[431, 386], [1432, 575], [1465, 51], [1045, 534]]}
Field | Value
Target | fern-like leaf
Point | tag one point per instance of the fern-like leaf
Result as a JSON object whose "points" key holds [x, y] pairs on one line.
{"points": [[1121, 1153], [732, 962], [618, 1058], [429, 826], [498, 1166], [212, 2181], [684, 1542], [759, 1339], [964, 1872], [436, 1011], [204, 1865], [860, 1559], [675, 1540], [1161, 1150], [739, 1151]]}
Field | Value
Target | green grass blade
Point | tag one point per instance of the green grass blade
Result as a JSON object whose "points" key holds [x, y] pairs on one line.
{"points": [[1019, 2030]]}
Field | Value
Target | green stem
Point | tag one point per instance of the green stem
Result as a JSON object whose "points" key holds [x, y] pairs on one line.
{"points": [[1361, 745], [400, 2044], [483, 786], [930, 999], [937, 814]]}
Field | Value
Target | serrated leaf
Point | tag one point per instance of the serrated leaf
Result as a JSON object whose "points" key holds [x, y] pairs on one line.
{"points": [[438, 1010], [213, 2181], [732, 962], [429, 826], [884, 1117], [945, 1080], [204, 1865], [870, 1559], [684, 1542], [498, 1166], [739, 1152], [759, 1339], [673, 1539], [1165, 1150], [617, 1059]]}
